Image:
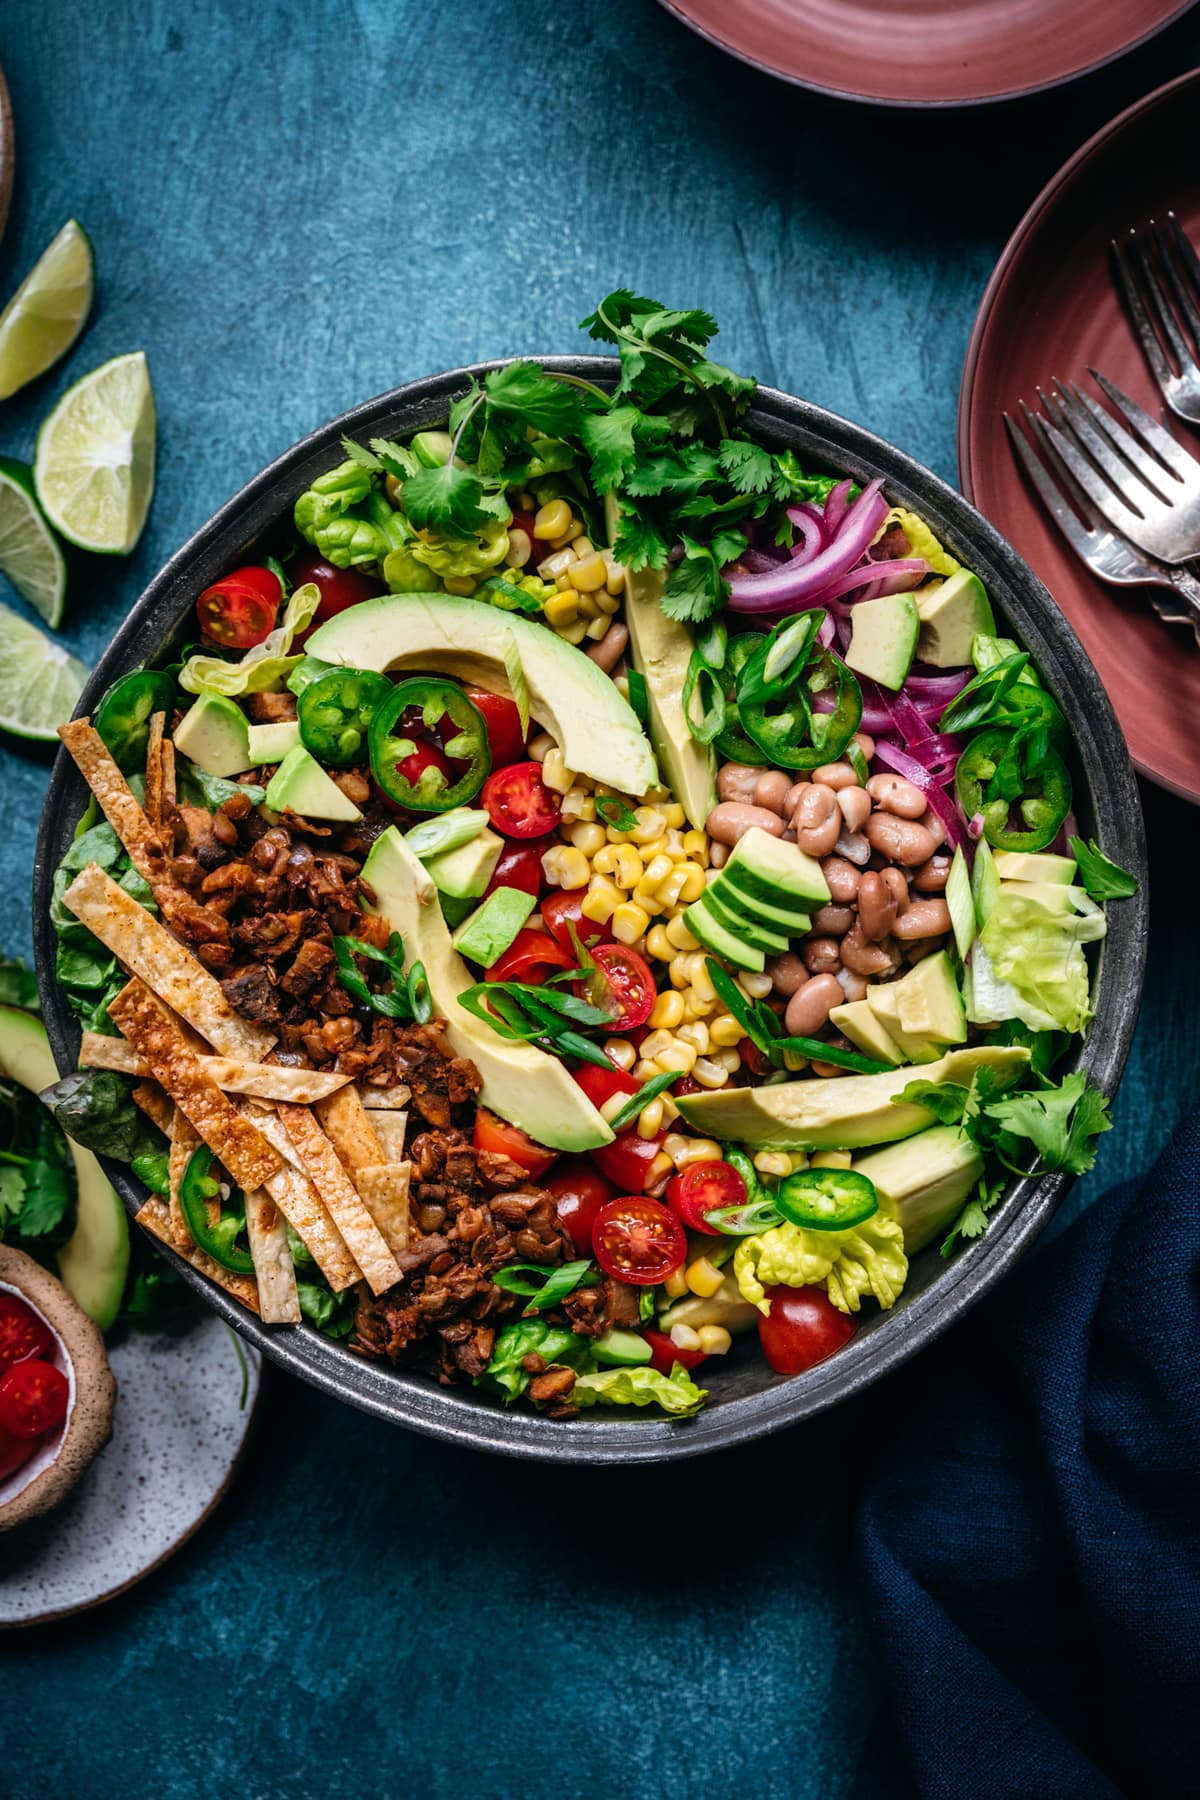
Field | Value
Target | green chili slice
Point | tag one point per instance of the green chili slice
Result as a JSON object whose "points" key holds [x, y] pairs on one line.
{"points": [[435, 699], [780, 718], [706, 682], [335, 712], [826, 1199], [1000, 770], [124, 714], [216, 1236], [732, 742]]}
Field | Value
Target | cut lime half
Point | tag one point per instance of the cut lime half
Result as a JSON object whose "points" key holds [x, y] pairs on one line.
{"points": [[29, 551], [40, 681], [48, 310], [94, 467]]}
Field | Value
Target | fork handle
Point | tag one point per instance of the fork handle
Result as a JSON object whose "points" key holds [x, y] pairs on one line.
{"points": [[1188, 589]]}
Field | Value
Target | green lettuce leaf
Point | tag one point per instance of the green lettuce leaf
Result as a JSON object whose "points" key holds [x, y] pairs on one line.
{"points": [[676, 1393], [1033, 967], [869, 1259], [264, 666], [519, 1340]]}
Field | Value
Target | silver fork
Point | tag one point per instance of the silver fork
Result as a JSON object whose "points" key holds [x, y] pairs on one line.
{"points": [[1113, 558], [1145, 485], [1145, 292]]}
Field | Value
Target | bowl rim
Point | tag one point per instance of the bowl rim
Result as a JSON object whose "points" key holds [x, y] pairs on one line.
{"points": [[459, 1415]]}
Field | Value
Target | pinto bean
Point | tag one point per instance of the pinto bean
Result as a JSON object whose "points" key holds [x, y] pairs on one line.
{"points": [[822, 955], [895, 795], [718, 855], [835, 775], [737, 781], [934, 827], [772, 789], [863, 957], [607, 653], [866, 744], [793, 798], [901, 840], [817, 820], [854, 987], [810, 1006], [931, 876], [876, 907], [787, 973], [854, 847], [897, 887], [922, 947], [842, 879], [732, 819], [855, 804], [923, 919], [833, 921]]}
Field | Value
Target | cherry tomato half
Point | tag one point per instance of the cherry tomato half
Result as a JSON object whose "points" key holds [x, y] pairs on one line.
{"points": [[506, 740], [22, 1332], [531, 956], [425, 756], [33, 1398], [520, 866], [339, 588], [579, 1190], [638, 1240], [14, 1452], [804, 1327], [239, 610], [664, 1354], [519, 803], [628, 1159], [601, 1084], [697, 1190], [562, 909], [503, 1139], [621, 985]]}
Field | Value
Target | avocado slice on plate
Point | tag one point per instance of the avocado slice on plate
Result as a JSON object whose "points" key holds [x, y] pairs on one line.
{"points": [[927, 1178]]}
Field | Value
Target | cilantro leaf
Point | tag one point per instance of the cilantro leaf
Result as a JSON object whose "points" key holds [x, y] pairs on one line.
{"points": [[395, 458], [749, 467], [613, 440], [549, 405], [946, 1100], [972, 1220], [639, 542], [696, 588], [1061, 1122], [360, 455], [1103, 880], [446, 499]]}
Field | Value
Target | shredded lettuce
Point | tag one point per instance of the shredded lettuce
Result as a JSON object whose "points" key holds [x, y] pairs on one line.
{"points": [[869, 1259], [1028, 963], [463, 556], [676, 1393], [266, 665]]}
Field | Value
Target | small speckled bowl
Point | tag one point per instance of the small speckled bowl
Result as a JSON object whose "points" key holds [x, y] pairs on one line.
{"points": [[747, 1399]]}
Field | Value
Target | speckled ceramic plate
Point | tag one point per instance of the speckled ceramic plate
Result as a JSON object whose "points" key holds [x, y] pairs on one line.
{"points": [[927, 52], [185, 1406]]}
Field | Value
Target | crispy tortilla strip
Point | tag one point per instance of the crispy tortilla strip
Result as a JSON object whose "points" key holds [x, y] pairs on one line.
{"points": [[154, 771], [391, 1129], [232, 1139], [304, 1209], [184, 1142], [384, 1191], [155, 1219], [157, 1106], [350, 1129], [266, 1228], [364, 1239], [168, 776], [262, 1081], [147, 851], [146, 948], [393, 1099]]}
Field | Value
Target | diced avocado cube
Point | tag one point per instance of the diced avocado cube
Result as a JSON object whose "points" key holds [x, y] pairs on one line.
{"points": [[883, 638], [722, 904], [884, 1002], [961, 904], [953, 614], [703, 924], [271, 743], [300, 785], [859, 1023], [1019, 865], [490, 930], [930, 1004], [213, 733], [765, 868], [466, 871], [926, 1179]]}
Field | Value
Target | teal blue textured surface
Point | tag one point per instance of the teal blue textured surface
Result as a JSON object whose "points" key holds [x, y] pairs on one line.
{"points": [[294, 208]]}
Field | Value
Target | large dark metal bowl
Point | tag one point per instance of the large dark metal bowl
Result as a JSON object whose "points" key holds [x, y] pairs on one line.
{"points": [[746, 1399]]}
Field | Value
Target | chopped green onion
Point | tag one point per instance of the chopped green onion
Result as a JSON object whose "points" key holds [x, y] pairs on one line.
{"points": [[558, 1283], [650, 1090], [614, 812]]}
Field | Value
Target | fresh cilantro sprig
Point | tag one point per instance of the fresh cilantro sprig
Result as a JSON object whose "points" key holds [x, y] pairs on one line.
{"points": [[1102, 879]]}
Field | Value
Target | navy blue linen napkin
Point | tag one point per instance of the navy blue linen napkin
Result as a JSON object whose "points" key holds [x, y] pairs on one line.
{"points": [[1030, 1542]]}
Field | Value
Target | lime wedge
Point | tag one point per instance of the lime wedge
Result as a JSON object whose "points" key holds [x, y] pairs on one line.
{"points": [[40, 682], [47, 312], [94, 467], [29, 551]]}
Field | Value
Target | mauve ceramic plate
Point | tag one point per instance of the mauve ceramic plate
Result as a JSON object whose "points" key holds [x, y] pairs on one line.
{"points": [[1052, 308], [927, 52], [746, 1399], [7, 153]]}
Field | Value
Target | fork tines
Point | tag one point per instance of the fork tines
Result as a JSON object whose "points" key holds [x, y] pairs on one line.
{"points": [[1159, 273]]}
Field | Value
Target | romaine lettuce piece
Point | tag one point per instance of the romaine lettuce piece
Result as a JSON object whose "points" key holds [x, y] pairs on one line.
{"points": [[869, 1259], [676, 1393], [266, 665], [1028, 963]]}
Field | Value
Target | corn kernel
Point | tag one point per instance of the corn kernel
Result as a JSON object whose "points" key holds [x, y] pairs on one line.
{"points": [[714, 1340], [555, 772], [540, 747], [551, 520], [551, 567], [564, 541], [566, 867], [629, 866], [526, 501], [620, 1051], [668, 1009], [598, 629], [670, 889], [656, 1041], [647, 897], [628, 924], [695, 1034], [680, 936], [645, 1070], [520, 548], [695, 843], [684, 1151], [773, 1162], [702, 982], [614, 581], [708, 1073], [561, 609], [831, 1159], [581, 543], [725, 1032], [602, 899], [675, 1286], [588, 609], [703, 1279], [573, 634], [756, 986], [674, 814], [680, 968], [658, 944], [670, 1110], [684, 1338], [656, 870], [463, 585], [586, 572], [656, 1175], [608, 603], [649, 825], [680, 1056], [611, 1107], [588, 838], [729, 1060], [650, 1119], [695, 1006]]}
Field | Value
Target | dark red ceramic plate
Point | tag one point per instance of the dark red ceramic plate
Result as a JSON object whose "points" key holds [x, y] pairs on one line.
{"points": [[1051, 308], [927, 52]]}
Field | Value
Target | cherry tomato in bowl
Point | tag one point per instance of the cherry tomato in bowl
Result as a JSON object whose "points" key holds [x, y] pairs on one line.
{"points": [[520, 866], [15, 1452], [424, 756], [503, 1139], [579, 1190], [506, 740], [638, 1240], [33, 1398], [518, 802], [530, 957], [339, 588], [564, 908], [621, 985], [23, 1333], [664, 1354], [701, 1188], [628, 1160], [803, 1328], [239, 610]]}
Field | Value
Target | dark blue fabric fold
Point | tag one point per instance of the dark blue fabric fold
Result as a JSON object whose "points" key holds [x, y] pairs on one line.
{"points": [[1030, 1540]]}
